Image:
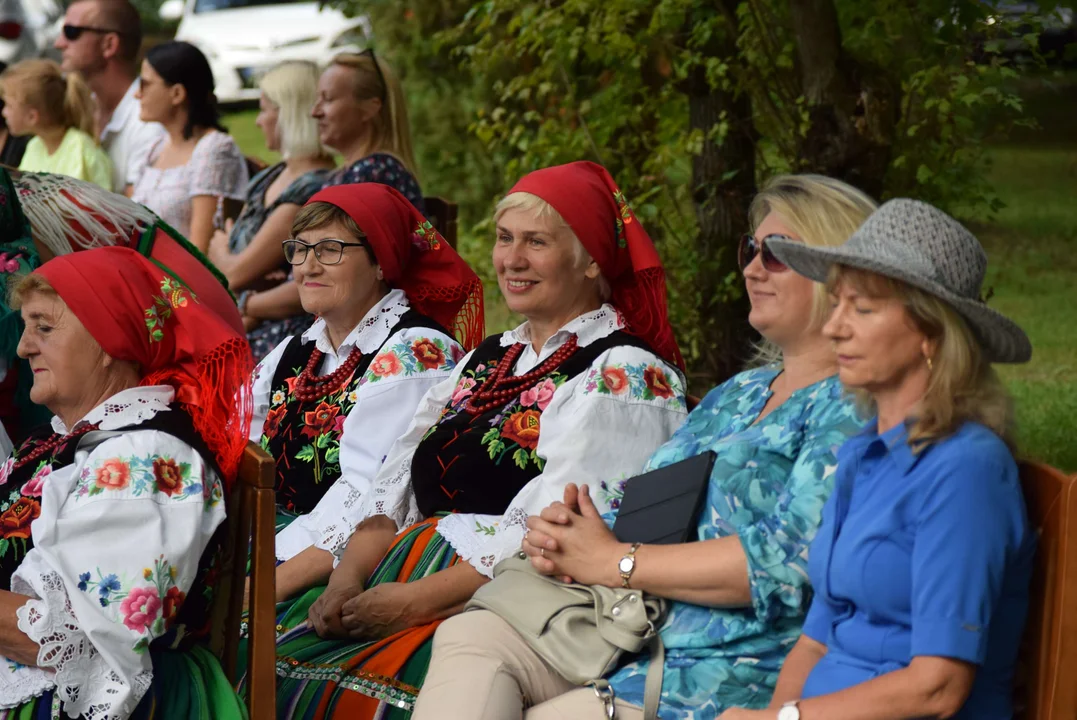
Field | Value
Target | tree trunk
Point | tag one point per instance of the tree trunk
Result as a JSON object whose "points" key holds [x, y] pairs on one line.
{"points": [[723, 178], [852, 108]]}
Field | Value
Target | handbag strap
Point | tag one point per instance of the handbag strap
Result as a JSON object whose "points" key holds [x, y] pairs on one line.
{"points": [[652, 688]]}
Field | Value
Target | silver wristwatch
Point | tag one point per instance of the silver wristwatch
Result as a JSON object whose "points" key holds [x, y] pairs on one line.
{"points": [[789, 711]]}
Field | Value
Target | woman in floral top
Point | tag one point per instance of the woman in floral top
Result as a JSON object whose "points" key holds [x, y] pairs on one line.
{"points": [[740, 594], [251, 249], [361, 114], [109, 515], [527, 412]]}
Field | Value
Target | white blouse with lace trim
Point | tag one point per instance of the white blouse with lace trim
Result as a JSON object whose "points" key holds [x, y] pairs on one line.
{"points": [[385, 404], [116, 542], [601, 425]]}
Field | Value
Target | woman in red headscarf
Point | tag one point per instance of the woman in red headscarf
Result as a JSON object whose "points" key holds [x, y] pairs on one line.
{"points": [[584, 391], [390, 294], [105, 545]]}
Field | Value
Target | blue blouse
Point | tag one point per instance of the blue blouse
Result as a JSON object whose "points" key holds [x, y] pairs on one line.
{"points": [[768, 487], [922, 554]]}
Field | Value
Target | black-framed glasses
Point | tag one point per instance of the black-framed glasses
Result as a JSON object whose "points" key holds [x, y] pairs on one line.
{"points": [[749, 247], [377, 68], [327, 252], [74, 32]]}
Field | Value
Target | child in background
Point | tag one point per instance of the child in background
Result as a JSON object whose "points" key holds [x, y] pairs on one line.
{"points": [[58, 112]]}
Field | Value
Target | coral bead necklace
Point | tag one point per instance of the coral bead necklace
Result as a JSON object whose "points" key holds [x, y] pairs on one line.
{"points": [[501, 387], [309, 388], [53, 441]]}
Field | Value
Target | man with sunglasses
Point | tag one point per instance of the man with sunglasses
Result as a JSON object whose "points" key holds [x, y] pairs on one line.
{"points": [[101, 40]]}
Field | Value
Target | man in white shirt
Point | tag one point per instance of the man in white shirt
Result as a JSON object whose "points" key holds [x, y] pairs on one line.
{"points": [[100, 41]]}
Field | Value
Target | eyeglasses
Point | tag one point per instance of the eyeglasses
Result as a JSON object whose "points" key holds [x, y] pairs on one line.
{"points": [[74, 32], [327, 252], [377, 68], [749, 247]]}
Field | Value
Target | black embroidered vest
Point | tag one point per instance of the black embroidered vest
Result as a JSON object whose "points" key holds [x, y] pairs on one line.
{"points": [[478, 463], [304, 438], [185, 616]]}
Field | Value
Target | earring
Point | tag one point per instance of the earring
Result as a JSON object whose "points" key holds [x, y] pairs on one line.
{"points": [[929, 367]]}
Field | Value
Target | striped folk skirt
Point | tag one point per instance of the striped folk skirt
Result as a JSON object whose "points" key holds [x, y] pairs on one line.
{"points": [[319, 678]]}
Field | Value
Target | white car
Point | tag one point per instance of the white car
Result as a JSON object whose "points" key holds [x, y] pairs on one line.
{"points": [[28, 29], [244, 38]]}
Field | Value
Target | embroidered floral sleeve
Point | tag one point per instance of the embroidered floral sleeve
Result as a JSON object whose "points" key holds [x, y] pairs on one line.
{"points": [[597, 427], [411, 362], [117, 547], [390, 492]]}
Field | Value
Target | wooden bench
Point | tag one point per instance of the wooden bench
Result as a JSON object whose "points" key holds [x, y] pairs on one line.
{"points": [[444, 216], [1046, 688]]}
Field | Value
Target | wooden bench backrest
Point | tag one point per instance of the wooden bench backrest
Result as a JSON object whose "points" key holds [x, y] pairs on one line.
{"points": [[1046, 686]]}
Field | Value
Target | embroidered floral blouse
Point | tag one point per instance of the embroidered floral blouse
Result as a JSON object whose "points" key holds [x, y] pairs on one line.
{"points": [[768, 487], [117, 546], [385, 403], [599, 425]]}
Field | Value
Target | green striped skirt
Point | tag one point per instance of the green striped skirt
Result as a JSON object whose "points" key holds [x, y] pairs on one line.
{"points": [[319, 678]]}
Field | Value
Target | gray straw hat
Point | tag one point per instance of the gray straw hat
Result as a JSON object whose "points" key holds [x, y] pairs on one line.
{"points": [[918, 244]]}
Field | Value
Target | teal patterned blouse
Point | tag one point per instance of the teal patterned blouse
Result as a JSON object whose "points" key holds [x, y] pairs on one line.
{"points": [[768, 487]]}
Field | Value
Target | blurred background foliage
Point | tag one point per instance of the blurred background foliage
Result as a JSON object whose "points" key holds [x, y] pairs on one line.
{"points": [[692, 104]]}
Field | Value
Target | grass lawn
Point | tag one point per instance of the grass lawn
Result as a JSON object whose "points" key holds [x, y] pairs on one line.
{"points": [[1032, 245]]}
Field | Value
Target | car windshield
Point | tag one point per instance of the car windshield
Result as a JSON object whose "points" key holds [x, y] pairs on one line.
{"points": [[202, 6]]}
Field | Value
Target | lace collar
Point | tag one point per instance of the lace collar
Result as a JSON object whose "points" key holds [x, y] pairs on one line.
{"points": [[588, 328], [127, 407], [370, 334]]}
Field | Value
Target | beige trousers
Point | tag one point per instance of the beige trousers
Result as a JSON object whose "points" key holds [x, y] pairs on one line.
{"points": [[481, 669]]}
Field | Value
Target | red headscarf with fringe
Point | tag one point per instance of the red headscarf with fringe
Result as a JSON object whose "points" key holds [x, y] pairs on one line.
{"points": [[595, 208], [414, 257], [142, 313]]}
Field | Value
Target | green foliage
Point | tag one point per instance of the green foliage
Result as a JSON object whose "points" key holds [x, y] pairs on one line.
{"points": [[501, 87]]}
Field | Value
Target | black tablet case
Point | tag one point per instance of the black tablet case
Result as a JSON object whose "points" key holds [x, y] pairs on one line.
{"points": [[662, 507]]}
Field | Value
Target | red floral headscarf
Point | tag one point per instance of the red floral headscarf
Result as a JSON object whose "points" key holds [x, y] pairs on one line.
{"points": [[140, 312], [595, 208], [414, 257]]}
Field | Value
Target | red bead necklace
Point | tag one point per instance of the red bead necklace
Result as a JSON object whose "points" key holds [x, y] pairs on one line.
{"points": [[309, 388], [501, 387], [54, 440]]}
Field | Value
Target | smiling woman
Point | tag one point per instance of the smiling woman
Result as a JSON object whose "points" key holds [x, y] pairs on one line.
{"points": [[528, 411], [329, 403]]}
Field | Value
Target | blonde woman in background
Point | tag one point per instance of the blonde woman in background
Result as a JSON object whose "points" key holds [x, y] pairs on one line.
{"points": [[58, 111], [361, 114], [251, 249]]}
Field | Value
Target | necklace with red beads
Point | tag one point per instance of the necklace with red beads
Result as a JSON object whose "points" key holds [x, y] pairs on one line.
{"points": [[309, 388], [52, 442], [501, 387]]}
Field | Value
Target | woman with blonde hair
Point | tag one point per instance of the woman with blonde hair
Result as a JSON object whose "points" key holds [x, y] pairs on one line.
{"points": [[58, 111], [361, 114], [252, 248], [921, 566], [738, 596]]}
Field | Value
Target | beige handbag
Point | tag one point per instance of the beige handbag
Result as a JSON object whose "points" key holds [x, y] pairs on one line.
{"points": [[581, 631]]}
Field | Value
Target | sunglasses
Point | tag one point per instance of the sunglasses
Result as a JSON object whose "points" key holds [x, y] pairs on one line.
{"points": [[749, 247], [383, 95], [327, 252], [74, 32]]}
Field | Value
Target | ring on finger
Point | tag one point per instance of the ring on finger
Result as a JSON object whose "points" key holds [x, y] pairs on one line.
{"points": [[542, 552]]}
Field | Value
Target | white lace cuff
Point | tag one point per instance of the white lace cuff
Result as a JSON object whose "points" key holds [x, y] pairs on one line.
{"points": [[482, 540], [84, 681], [19, 683]]}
